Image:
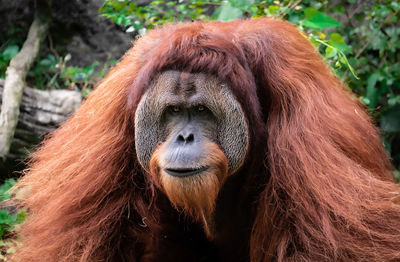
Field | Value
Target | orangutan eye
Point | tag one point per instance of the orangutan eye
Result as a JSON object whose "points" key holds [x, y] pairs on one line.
{"points": [[175, 109], [201, 108]]}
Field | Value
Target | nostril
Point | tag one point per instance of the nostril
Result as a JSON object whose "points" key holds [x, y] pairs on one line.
{"points": [[185, 138], [180, 138], [190, 138]]}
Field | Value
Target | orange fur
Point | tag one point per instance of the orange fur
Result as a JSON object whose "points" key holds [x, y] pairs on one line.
{"points": [[196, 195], [327, 193]]}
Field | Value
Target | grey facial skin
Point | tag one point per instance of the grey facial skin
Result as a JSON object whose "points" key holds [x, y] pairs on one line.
{"points": [[185, 111]]}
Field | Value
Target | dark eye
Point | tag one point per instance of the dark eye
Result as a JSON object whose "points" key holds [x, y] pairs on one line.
{"points": [[174, 109], [201, 108]]}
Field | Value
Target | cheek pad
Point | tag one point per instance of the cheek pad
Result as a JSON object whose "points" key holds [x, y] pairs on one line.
{"points": [[147, 129], [233, 133]]}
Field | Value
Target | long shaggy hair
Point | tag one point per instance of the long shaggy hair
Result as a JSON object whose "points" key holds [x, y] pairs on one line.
{"points": [[316, 177]]}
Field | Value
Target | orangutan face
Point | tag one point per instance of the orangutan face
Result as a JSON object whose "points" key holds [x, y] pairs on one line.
{"points": [[191, 134]]}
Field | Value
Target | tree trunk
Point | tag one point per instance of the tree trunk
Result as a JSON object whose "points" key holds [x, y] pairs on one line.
{"points": [[41, 112], [16, 73]]}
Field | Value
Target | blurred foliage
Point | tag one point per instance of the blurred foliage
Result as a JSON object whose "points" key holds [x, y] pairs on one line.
{"points": [[9, 49], [311, 21], [134, 17], [363, 49], [374, 34], [8, 222], [53, 72]]}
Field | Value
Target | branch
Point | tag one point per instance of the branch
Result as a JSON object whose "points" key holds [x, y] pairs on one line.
{"points": [[16, 74]]}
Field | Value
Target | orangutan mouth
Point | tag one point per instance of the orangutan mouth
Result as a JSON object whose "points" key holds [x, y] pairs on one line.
{"points": [[184, 172]]}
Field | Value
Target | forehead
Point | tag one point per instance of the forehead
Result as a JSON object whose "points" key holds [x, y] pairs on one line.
{"points": [[185, 85]]}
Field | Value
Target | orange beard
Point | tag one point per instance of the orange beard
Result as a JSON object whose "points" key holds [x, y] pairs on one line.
{"points": [[195, 195]]}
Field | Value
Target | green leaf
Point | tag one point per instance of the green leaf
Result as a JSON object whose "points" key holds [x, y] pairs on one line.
{"points": [[119, 20], [126, 22], [365, 101], [80, 76], [318, 20], [9, 183], [21, 216], [4, 195], [45, 62], [4, 216], [52, 80], [315, 42], [272, 9], [390, 120], [372, 91], [228, 12], [392, 101], [156, 2], [330, 52], [10, 52], [338, 42], [353, 72]]}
